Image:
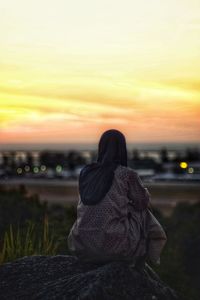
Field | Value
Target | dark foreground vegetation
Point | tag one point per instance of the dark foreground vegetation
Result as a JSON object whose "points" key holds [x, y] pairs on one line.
{"points": [[29, 227]]}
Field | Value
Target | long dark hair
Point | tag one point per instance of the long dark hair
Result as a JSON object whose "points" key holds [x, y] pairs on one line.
{"points": [[96, 179]]}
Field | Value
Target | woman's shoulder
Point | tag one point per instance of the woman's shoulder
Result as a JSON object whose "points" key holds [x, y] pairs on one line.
{"points": [[127, 171]]}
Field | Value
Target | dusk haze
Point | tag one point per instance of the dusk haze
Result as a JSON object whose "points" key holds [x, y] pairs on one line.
{"points": [[71, 69]]}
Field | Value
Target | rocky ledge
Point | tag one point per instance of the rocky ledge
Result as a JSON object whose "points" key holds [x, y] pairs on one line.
{"points": [[65, 277]]}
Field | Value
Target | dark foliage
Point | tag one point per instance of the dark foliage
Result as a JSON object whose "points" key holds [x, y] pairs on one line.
{"points": [[18, 209], [180, 261], [180, 264]]}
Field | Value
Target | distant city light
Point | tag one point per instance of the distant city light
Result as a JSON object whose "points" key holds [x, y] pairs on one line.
{"points": [[27, 168], [35, 170], [183, 165], [19, 170], [43, 168], [58, 168], [191, 170]]}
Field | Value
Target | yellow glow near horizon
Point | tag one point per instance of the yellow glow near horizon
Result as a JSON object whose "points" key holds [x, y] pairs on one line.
{"points": [[183, 165], [71, 69]]}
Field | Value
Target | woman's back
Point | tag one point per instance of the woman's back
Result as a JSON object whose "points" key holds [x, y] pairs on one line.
{"points": [[105, 230]]}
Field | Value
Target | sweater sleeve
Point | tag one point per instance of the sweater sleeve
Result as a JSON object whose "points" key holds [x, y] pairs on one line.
{"points": [[138, 195]]}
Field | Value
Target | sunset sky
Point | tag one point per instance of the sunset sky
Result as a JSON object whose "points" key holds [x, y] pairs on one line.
{"points": [[72, 69]]}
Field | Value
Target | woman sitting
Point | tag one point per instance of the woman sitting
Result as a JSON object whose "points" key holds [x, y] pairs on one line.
{"points": [[113, 219]]}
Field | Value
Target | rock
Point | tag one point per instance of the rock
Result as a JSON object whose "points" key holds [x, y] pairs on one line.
{"points": [[65, 277]]}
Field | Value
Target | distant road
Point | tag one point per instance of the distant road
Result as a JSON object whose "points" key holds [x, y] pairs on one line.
{"points": [[164, 195]]}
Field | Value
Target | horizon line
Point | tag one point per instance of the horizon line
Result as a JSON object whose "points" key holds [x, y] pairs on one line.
{"points": [[93, 145]]}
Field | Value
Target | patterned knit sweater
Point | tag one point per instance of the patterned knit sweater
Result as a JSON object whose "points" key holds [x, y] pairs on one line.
{"points": [[115, 228]]}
